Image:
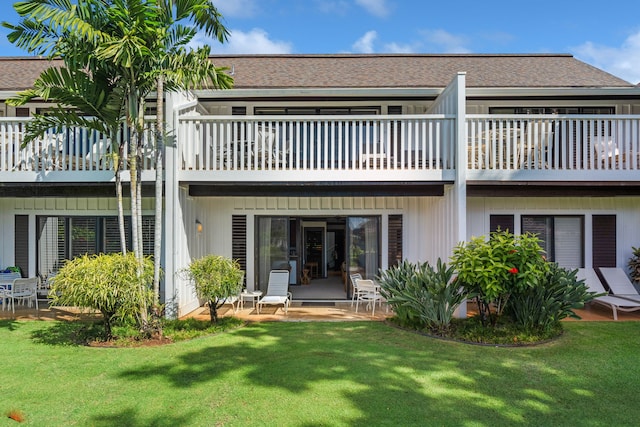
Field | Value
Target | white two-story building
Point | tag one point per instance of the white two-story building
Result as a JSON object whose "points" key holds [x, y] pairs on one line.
{"points": [[332, 163]]}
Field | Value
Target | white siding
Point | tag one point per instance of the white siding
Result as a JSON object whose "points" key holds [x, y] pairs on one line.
{"points": [[626, 209], [428, 228], [51, 206]]}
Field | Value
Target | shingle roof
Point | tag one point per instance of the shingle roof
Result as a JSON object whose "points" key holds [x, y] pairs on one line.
{"points": [[378, 71]]}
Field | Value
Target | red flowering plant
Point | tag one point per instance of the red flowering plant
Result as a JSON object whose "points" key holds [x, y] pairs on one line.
{"points": [[492, 269]]}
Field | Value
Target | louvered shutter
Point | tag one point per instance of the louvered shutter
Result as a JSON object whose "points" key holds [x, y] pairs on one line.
{"points": [[239, 240], [21, 246], [604, 240], [395, 240], [501, 222]]}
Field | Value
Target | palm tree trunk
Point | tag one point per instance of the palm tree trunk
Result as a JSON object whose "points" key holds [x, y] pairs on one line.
{"points": [[117, 162]]}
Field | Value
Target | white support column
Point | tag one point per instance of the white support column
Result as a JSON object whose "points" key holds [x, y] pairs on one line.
{"points": [[171, 206], [461, 168]]}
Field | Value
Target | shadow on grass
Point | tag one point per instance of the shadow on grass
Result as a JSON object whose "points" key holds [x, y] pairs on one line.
{"points": [[9, 324], [131, 418], [68, 333], [393, 376]]}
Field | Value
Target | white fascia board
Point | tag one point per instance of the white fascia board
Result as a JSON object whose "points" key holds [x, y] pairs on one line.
{"points": [[557, 91], [307, 92]]}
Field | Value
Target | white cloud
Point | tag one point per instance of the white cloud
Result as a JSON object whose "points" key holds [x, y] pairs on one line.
{"points": [[622, 61], [375, 7], [445, 42], [237, 8], [365, 43], [336, 7], [254, 41], [400, 48]]}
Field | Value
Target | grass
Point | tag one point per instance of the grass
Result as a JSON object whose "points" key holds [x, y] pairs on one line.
{"points": [[321, 374]]}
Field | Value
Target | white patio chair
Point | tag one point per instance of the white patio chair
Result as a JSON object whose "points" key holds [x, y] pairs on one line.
{"points": [[22, 290], [277, 290], [368, 292], [615, 303], [354, 290], [619, 284]]}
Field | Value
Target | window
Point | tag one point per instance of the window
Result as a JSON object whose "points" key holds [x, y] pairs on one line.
{"points": [[551, 110], [61, 238], [561, 237], [308, 111]]}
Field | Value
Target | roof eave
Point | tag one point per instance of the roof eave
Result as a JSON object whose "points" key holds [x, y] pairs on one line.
{"points": [[532, 92], [315, 92]]}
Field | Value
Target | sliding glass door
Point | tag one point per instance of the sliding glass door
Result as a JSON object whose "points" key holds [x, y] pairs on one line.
{"points": [[363, 239], [272, 247]]}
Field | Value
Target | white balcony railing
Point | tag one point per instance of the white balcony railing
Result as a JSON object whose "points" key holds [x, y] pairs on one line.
{"points": [[553, 143], [68, 149], [308, 148], [306, 143]]}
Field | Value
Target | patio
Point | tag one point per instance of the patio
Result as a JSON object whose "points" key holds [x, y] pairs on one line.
{"points": [[340, 311]]}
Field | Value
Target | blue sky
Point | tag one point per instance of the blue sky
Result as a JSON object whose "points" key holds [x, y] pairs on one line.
{"points": [[604, 34]]}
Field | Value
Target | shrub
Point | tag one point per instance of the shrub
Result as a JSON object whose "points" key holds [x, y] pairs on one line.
{"points": [[428, 296], [215, 278], [540, 307], [634, 265], [108, 283], [393, 282], [493, 269]]}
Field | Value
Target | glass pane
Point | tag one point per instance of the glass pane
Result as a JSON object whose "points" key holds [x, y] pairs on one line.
{"points": [[51, 245], [273, 247], [364, 246], [542, 226], [83, 236], [568, 242]]}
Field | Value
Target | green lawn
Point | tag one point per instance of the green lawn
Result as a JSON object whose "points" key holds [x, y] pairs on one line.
{"points": [[322, 374]]}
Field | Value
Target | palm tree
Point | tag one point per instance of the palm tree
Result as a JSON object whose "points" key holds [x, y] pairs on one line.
{"points": [[90, 88], [179, 69], [139, 46]]}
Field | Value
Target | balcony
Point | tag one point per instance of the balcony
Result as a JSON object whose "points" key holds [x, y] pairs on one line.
{"points": [[67, 155], [316, 148], [408, 148], [553, 148]]}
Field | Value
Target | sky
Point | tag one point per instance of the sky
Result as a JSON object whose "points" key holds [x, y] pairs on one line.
{"points": [[603, 34]]}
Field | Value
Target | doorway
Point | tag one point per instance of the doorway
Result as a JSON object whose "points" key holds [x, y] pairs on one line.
{"points": [[319, 252]]}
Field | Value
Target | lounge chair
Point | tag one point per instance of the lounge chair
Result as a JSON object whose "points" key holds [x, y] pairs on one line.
{"points": [[277, 290], [619, 284], [615, 303]]}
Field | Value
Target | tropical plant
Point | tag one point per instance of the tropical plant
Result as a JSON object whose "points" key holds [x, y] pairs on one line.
{"points": [[215, 279], [634, 264], [137, 46], [107, 283], [176, 68], [492, 269], [540, 307], [427, 295], [393, 282]]}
